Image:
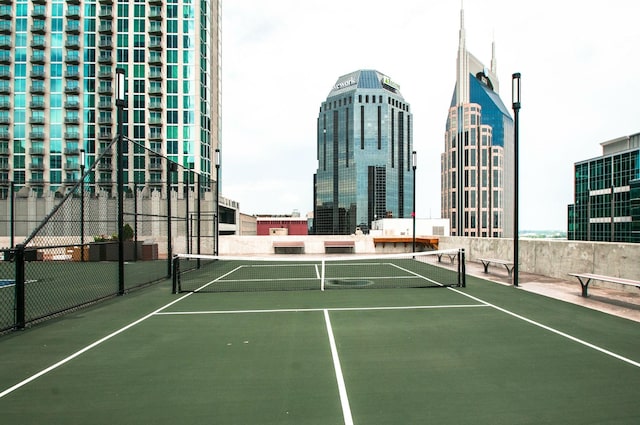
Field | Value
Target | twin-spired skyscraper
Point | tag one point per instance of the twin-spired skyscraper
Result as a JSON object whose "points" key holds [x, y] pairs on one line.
{"points": [[364, 150], [477, 165]]}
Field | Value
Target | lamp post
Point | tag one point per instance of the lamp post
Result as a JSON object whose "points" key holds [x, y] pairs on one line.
{"points": [[515, 95], [120, 104], [217, 215], [82, 159], [414, 165]]}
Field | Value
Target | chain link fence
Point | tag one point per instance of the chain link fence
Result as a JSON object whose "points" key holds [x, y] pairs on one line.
{"points": [[76, 254]]}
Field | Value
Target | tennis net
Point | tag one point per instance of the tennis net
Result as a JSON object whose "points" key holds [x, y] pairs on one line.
{"points": [[206, 273]]}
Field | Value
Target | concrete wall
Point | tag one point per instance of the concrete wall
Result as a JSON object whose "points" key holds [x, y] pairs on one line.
{"points": [[547, 257], [554, 257]]}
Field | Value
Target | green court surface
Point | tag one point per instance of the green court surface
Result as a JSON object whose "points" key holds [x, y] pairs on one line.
{"points": [[484, 354]]}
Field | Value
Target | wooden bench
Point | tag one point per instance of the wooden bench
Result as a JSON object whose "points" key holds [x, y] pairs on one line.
{"points": [[507, 264], [288, 247], [586, 278], [343, 247], [422, 243]]}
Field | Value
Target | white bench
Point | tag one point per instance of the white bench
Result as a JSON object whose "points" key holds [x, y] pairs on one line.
{"points": [[507, 264], [586, 278]]}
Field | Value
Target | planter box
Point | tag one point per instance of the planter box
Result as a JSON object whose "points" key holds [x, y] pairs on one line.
{"points": [[108, 251]]}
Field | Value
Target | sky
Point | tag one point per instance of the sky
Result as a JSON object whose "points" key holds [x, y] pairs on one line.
{"points": [[280, 58]]}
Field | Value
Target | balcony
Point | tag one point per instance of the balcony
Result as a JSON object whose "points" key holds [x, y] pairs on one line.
{"points": [[105, 135], [37, 89], [105, 105], [72, 59], [72, 151], [71, 167], [38, 74], [72, 104], [105, 75], [5, 27], [37, 104], [72, 120], [39, 27], [36, 120], [37, 151], [5, 119], [4, 135], [5, 58], [105, 27], [155, 136], [5, 105], [39, 12], [155, 90], [38, 44], [5, 89], [155, 44], [39, 1], [106, 2], [37, 135], [105, 59], [106, 13], [73, 27], [39, 58], [74, 135], [155, 121], [156, 75], [72, 44], [105, 89], [155, 105], [72, 75], [73, 12], [155, 28], [106, 44], [105, 120], [105, 151], [105, 166], [155, 59], [36, 166], [5, 74], [72, 90], [36, 181]]}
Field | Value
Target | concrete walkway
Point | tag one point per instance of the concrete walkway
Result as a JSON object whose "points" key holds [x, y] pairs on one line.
{"points": [[618, 301]]}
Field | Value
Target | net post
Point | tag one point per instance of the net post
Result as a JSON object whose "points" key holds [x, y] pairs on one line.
{"points": [[462, 273], [175, 272]]}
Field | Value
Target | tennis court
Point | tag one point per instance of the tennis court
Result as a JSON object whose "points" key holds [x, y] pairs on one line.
{"points": [[480, 354]]}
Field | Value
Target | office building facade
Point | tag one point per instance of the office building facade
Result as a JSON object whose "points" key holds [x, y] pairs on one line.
{"points": [[364, 152], [58, 61], [477, 166], [607, 194]]}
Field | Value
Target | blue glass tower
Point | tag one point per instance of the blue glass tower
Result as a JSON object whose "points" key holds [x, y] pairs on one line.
{"points": [[364, 145]]}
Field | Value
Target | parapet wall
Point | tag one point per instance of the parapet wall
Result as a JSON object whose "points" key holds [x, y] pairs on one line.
{"points": [[555, 257]]}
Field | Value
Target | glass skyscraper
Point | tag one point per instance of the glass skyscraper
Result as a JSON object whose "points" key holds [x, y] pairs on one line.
{"points": [[57, 88], [477, 166], [364, 147], [607, 194]]}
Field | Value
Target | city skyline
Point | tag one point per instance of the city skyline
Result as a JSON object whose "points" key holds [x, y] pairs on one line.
{"points": [[577, 88]]}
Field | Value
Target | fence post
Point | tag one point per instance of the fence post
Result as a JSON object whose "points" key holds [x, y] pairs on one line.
{"points": [[19, 287], [462, 269]]}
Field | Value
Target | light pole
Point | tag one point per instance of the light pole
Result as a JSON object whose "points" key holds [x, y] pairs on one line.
{"points": [[414, 165], [120, 104], [82, 204], [515, 95], [217, 216]]}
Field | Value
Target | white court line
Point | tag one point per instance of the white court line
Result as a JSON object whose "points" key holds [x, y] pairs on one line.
{"points": [[85, 349], [342, 389], [299, 310], [553, 330]]}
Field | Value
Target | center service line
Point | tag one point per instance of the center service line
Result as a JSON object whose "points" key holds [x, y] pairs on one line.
{"points": [[342, 389]]}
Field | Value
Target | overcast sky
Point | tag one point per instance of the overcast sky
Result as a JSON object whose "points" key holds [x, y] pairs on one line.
{"points": [[280, 58]]}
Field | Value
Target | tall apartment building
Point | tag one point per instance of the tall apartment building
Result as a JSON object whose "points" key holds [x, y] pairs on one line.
{"points": [[477, 166], [607, 194], [364, 151], [58, 61]]}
